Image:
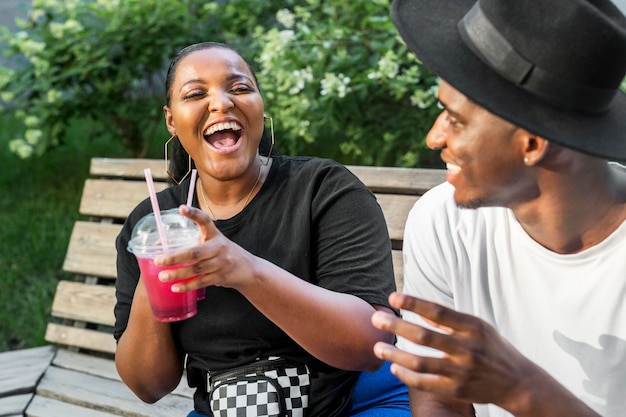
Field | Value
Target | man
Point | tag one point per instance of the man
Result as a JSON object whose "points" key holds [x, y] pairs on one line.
{"points": [[515, 268]]}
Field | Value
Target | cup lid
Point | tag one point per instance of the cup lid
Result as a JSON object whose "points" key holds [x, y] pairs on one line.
{"points": [[179, 231]]}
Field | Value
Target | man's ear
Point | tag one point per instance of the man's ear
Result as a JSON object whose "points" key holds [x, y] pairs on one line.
{"points": [[169, 121], [534, 148]]}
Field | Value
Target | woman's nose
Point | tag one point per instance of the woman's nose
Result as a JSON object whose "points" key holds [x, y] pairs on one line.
{"points": [[220, 102], [436, 137]]}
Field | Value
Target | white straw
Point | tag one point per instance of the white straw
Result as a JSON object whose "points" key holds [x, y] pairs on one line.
{"points": [[192, 186], [155, 206]]}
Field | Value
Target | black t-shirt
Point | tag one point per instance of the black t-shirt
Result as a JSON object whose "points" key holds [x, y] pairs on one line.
{"points": [[313, 218]]}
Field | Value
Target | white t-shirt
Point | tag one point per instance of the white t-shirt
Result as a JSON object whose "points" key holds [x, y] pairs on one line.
{"points": [[567, 313]]}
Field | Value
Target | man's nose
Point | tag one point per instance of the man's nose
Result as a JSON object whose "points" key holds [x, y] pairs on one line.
{"points": [[436, 137]]}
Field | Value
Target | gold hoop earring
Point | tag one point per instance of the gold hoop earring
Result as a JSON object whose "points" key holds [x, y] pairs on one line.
{"points": [[167, 164], [269, 154]]}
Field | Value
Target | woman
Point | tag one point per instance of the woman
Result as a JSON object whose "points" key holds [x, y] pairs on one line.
{"points": [[295, 255]]}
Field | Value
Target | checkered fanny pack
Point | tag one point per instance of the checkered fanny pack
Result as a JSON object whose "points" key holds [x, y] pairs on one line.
{"points": [[273, 387]]}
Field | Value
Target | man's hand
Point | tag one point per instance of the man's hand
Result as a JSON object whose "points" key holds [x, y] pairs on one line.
{"points": [[475, 365]]}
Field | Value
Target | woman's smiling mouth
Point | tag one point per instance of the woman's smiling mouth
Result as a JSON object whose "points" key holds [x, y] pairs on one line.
{"points": [[223, 136]]}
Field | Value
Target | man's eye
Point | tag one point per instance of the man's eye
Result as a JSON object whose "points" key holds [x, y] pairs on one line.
{"points": [[451, 120]]}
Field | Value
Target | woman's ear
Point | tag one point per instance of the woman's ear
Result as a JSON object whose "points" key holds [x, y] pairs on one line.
{"points": [[169, 121]]}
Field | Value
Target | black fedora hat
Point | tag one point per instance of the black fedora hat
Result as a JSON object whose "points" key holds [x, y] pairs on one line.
{"points": [[553, 67]]}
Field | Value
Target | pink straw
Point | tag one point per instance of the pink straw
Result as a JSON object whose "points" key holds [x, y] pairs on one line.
{"points": [[155, 206], [192, 186]]}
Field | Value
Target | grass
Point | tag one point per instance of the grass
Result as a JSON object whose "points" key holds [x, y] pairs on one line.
{"points": [[39, 199]]}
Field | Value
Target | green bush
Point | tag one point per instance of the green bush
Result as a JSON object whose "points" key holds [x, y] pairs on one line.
{"points": [[339, 74], [337, 79], [90, 59]]}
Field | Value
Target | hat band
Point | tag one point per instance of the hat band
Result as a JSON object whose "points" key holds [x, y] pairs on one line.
{"points": [[484, 39]]}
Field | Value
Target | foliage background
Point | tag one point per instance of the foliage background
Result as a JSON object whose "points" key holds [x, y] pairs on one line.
{"points": [[337, 79]]}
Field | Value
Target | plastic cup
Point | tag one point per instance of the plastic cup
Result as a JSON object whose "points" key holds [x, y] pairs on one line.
{"points": [[201, 293], [145, 244]]}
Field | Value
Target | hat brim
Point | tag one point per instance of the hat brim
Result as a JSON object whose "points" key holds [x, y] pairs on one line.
{"points": [[429, 28]]}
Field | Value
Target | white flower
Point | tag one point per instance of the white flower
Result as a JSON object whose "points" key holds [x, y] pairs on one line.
{"points": [[286, 18], [301, 77], [69, 27], [337, 84], [31, 48], [7, 96], [32, 136], [21, 148], [31, 121]]}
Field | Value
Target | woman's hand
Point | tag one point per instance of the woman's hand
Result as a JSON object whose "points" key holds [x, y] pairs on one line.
{"points": [[215, 261]]}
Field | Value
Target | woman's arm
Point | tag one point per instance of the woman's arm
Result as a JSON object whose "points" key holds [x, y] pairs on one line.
{"points": [[146, 357], [334, 327]]}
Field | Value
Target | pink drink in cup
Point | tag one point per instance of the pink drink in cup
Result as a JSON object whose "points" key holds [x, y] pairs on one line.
{"points": [[145, 244]]}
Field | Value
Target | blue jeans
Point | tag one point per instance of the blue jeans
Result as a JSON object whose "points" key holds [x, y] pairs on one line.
{"points": [[380, 394], [376, 394]]}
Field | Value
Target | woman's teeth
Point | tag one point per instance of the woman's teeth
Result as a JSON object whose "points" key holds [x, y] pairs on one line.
{"points": [[218, 127]]}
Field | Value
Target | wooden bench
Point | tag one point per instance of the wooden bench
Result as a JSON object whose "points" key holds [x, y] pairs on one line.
{"points": [[75, 375]]}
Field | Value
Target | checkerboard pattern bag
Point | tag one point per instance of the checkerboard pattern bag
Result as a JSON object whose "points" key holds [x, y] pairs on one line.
{"points": [[272, 387]]}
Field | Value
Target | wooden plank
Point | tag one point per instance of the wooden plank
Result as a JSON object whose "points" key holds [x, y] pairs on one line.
{"points": [[15, 404], [113, 198], [396, 209], [106, 395], [414, 181], [21, 369], [397, 269], [380, 179], [86, 363], [128, 168], [48, 407], [98, 341], [91, 249], [84, 302]]}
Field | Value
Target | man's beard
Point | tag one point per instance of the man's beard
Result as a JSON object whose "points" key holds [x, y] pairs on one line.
{"points": [[472, 204]]}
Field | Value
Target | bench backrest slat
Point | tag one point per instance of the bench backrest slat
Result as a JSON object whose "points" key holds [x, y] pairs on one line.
{"points": [[379, 179], [86, 302], [113, 198], [91, 250]]}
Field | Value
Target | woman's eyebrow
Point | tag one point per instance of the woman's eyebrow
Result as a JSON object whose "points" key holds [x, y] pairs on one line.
{"points": [[193, 81], [237, 76]]}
